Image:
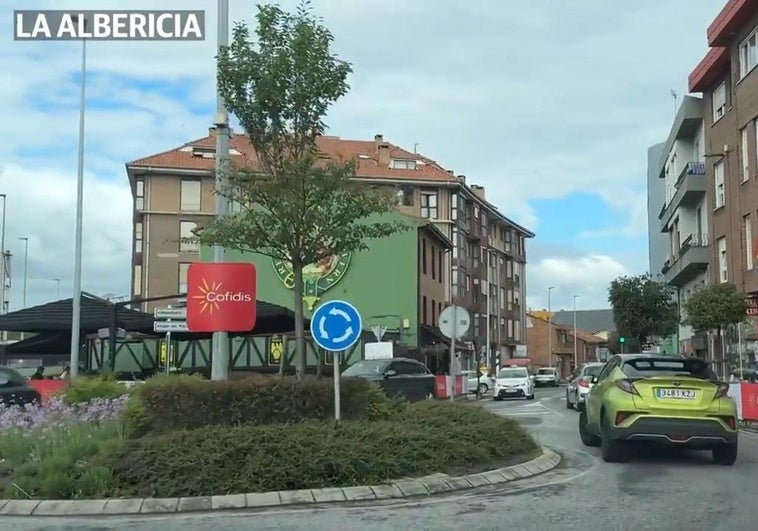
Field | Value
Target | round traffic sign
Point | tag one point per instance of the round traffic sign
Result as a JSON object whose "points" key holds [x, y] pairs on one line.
{"points": [[336, 326], [454, 321]]}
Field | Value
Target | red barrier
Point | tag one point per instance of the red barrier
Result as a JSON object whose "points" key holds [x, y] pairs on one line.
{"points": [[442, 384], [749, 401], [47, 387]]}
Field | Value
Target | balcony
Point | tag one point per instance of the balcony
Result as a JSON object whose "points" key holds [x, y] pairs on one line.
{"points": [[690, 188], [691, 262]]}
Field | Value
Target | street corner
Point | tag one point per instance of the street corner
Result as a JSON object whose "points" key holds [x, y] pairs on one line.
{"points": [[435, 484]]}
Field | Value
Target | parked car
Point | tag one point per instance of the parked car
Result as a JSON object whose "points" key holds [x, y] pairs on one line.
{"points": [[546, 376], [678, 402], [406, 377], [580, 383], [15, 390], [482, 384], [514, 382]]}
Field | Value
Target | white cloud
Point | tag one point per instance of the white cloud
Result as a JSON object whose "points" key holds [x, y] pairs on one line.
{"points": [[587, 276]]}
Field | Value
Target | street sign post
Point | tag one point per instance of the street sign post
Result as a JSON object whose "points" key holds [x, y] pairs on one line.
{"points": [[454, 321], [336, 326], [169, 326]]}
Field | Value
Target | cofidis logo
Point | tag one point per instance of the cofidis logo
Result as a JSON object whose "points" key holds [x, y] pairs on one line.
{"points": [[221, 297]]}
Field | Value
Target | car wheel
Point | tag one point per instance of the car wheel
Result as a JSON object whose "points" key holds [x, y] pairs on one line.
{"points": [[588, 439], [612, 451], [482, 389], [569, 405], [725, 454], [530, 397]]}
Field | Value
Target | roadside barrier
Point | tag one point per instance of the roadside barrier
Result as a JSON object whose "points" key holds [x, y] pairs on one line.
{"points": [[442, 385], [745, 396]]}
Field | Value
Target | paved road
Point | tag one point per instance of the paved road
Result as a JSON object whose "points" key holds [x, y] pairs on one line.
{"points": [[662, 492]]}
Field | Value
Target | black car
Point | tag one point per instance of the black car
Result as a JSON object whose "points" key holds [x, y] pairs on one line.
{"points": [[15, 390], [396, 376]]}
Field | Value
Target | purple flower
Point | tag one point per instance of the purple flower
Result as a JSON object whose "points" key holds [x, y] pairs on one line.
{"points": [[54, 413]]}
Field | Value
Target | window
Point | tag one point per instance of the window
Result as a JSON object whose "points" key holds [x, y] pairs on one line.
{"points": [[190, 194], [423, 255], [434, 263], [138, 237], [183, 268], [439, 263], [723, 271], [718, 102], [185, 231], [747, 227], [137, 285], [398, 164], [718, 173], [404, 196], [745, 156], [429, 205], [139, 195], [434, 312], [454, 206], [502, 298], [749, 54]]}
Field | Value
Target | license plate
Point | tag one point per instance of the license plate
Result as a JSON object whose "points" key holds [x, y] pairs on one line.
{"points": [[683, 394], [510, 388]]}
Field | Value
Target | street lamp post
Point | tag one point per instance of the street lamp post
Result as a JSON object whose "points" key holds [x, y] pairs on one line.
{"points": [[26, 266], [576, 360], [57, 288], [76, 301], [549, 325], [489, 288]]}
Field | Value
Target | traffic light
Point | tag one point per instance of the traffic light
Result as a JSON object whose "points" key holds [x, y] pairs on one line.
{"points": [[622, 339]]}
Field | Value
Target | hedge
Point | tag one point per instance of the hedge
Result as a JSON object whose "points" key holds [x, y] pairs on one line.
{"points": [[184, 402], [424, 439]]}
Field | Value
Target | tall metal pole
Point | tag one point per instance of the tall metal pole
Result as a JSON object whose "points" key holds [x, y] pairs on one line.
{"points": [[549, 325], [26, 267], [3, 267], [220, 355], [576, 360], [451, 369], [76, 302], [739, 346], [489, 309]]}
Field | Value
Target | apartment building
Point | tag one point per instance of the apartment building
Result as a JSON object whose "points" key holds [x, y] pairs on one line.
{"points": [[728, 80], [544, 336], [173, 193], [683, 214]]}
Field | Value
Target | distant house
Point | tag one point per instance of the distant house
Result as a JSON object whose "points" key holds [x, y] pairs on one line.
{"points": [[597, 322]]}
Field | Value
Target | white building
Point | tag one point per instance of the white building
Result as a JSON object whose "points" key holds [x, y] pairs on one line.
{"points": [[684, 213]]}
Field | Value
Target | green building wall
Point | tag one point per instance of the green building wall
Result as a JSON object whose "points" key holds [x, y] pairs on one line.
{"points": [[382, 282]]}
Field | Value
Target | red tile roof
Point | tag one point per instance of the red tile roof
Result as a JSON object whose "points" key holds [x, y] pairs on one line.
{"points": [[365, 151]]}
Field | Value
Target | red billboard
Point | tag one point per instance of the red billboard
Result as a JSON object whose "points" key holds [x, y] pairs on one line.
{"points": [[221, 297]]}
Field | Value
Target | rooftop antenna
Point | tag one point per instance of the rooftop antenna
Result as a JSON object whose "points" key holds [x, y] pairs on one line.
{"points": [[415, 147]]}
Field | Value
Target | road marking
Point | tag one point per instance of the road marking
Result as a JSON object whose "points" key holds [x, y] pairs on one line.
{"points": [[526, 410]]}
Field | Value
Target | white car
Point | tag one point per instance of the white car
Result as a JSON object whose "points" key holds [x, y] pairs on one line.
{"points": [[483, 383], [546, 376], [514, 382]]}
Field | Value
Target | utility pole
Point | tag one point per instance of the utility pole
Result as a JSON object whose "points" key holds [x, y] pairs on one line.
{"points": [[549, 325], [3, 258], [576, 359], [220, 341]]}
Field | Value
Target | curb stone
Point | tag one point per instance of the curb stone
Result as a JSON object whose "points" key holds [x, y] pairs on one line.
{"points": [[424, 486]]}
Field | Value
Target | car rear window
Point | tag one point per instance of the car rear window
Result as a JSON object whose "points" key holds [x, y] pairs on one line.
{"points": [[593, 370], [545, 371], [647, 367]]}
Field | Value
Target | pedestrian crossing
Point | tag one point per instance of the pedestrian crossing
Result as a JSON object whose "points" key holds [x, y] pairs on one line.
{"points": [[531, 409]]}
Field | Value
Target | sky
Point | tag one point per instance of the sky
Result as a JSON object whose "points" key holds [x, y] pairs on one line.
{"points": [[550, 106]]}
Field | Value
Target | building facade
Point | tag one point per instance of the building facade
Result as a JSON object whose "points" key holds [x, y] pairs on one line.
{"points": [[658, 244], [539, 332], [173, 194], [683, 216], [727, 77]]}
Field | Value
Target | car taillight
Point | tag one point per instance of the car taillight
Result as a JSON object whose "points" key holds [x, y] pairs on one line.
{"points": [[621, 416], [583, 383], [722, 390], [627, 386]]}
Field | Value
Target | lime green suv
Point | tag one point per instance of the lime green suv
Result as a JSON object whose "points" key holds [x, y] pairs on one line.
{"points": [[672, 400]]}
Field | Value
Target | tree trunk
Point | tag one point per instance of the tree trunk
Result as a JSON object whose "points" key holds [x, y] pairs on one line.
{"points": [[297, 270]]}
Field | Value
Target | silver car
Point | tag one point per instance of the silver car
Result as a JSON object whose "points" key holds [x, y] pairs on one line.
{"points": [[580, 383], [483, 383]]}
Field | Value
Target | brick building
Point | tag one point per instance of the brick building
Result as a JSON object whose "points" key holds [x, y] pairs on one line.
{"points": [[538, 331]]}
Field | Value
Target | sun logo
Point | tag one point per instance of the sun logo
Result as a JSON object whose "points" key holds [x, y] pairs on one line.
{"points": [[205, 303]]}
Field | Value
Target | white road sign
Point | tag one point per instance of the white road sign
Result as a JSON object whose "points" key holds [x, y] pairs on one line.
{"points": [[170, 313], [454, 321], [170, 326]]}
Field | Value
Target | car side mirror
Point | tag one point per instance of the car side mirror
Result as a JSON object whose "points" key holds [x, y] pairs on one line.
{"points": [[390, 372]]}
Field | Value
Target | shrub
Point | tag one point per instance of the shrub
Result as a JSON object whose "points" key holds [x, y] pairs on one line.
{"points": [[184, 402], [32, 420], [87, 388], [311, 454]]}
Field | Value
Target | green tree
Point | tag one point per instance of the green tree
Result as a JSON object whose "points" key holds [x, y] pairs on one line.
{"points": [[715, 308], [642, 308], [295, 203]]}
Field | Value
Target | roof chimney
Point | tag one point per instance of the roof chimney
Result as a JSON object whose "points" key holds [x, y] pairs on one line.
{"points": [[451, 172], [378, 139], [478, 191], [384, 153], [462, 178], [212, 130]]}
